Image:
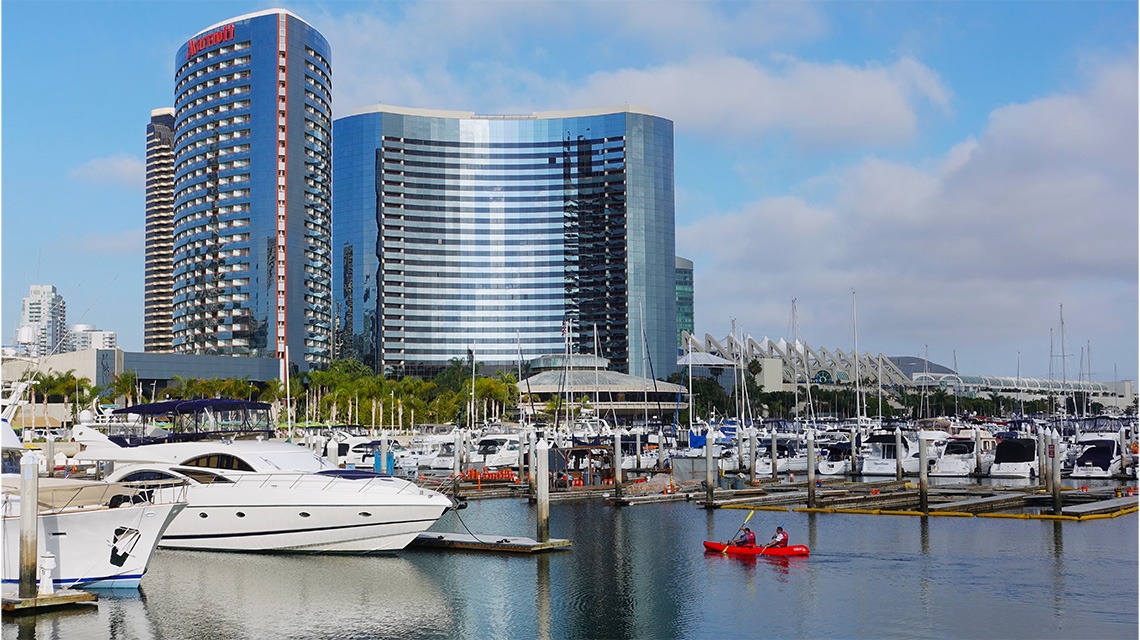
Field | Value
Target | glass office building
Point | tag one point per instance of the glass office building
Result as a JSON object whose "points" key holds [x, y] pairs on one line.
{"points": [[504, 238], [251, 261], [686, 321]]}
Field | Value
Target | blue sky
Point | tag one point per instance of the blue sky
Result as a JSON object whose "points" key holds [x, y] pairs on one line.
{"points": [[964, 167]]}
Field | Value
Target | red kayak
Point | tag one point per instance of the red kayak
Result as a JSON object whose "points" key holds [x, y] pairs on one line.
{"points": [[792, 550]]}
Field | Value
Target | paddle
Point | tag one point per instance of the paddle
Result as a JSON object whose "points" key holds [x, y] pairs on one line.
{"points": [[729, 543]]}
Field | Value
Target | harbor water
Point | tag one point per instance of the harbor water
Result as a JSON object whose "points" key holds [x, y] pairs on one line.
{"points": [[641, 572]]}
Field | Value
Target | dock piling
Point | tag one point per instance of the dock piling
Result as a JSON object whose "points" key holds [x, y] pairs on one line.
{"points": [[854, 453], [752, 455], [774, 473], [811, 468], [710, 476], [1123, 451], [29, 523], [1055, 454], [923, 478], [542, 490], [617, 465], [898, 454], [978, 452]]}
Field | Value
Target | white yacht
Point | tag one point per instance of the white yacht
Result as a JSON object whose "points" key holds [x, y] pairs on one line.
{"points": [[497, 451], [1015, 458], [882, 454], [790, 457], [837, 460], [247, 495], [102, 535], [960, 457], [1098, 456]]}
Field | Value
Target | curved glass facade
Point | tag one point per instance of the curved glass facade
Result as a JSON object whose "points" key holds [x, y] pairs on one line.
{"points": [[507, 235], [252, 190]]}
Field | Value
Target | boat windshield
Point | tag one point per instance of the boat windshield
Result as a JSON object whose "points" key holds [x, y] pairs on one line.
{"points": [[490, 445], [1020, 450], [959, 447], [12, 461]]}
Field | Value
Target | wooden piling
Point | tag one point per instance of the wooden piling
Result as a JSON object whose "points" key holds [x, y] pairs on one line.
{"points": [[898, 454], [923, 480], [29, 523], [1055, 453], [774, 474], [542, 490]]}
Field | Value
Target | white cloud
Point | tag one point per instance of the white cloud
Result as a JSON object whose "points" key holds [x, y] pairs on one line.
{"points": [[977, 247], [503, 58], [120, 170]]}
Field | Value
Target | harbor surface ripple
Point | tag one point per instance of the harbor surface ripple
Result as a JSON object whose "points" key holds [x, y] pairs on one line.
{"points": [[640, 572]]}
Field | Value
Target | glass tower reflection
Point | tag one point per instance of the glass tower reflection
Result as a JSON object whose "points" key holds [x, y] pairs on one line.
{"points": [[505, 235]]}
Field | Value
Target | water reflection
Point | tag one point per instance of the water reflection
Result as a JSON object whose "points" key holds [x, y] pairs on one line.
{"points": [[542, 597], [641, 572]]}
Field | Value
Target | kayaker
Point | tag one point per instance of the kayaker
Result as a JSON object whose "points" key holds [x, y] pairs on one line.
{"points": [[746, 538], [779, 539]]}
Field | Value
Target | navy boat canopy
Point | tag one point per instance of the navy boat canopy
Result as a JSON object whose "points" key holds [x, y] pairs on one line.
{"points": [[192, 406]]}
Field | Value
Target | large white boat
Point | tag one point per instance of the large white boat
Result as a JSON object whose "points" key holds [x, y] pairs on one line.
{"points": [[790, 457], [1015, 458], [497, 451], [247, 495], [960, 457], [102, 535], [837, 460], [1098, 456], [882, 455]]}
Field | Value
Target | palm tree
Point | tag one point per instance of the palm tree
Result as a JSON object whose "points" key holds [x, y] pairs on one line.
{"points": [[125, 385]]}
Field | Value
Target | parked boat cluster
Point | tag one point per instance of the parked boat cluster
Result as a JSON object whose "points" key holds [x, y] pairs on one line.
{"points": [[214, 476], [1099, 447]]}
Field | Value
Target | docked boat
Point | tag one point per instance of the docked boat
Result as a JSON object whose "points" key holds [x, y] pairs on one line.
{"points": [[101, 534], [1098, 456], [837, 460], [497, 451], [882, 457], [247, 495], [789, 457], [1015, 458], [756, 550], [962, 457]]}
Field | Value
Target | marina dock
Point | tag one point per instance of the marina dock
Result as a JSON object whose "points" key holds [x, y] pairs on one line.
{"points": [[11, 603], [471, 542]]}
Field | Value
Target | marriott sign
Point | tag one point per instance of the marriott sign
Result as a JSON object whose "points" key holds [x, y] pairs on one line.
{"points": [[218, 36]]}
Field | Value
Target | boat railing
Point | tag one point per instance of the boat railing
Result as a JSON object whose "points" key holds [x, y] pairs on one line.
{"points": [[295, 479], [58, 495]]}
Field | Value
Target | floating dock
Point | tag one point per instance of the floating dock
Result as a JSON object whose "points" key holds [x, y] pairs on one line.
{"points": [[11, 603], [488, 542], [1112, 505]]}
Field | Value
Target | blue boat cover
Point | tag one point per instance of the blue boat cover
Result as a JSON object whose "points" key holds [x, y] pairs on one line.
{"points": [[192, 406]]}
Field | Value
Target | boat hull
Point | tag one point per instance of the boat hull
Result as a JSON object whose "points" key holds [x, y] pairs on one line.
{"points": [[106, 548], [301, 517], [735, 550]]}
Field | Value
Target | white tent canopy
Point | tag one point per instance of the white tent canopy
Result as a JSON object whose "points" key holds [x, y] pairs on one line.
{"points": [[702, 359]]}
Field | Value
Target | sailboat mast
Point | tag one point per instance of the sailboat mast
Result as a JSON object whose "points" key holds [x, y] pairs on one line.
{"points": [[858, 384], [795, 374]]}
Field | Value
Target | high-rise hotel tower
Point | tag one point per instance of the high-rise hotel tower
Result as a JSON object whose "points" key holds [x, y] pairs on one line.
{"points": [[510, 236], [252, 191], [159, 278]]}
